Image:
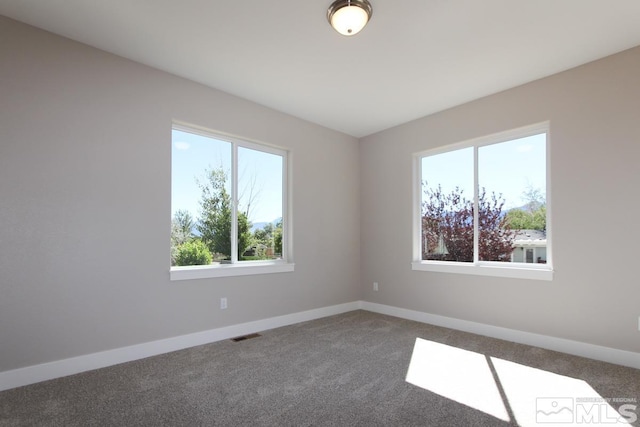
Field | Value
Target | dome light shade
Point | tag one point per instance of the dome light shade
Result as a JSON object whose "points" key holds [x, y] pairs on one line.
{"points": [[348, 17]]}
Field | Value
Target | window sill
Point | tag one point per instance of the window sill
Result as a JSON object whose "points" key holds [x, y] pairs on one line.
{"points": [[511, 271], [229, 270]]}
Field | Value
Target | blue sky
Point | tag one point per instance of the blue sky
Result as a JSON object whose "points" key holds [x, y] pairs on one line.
{"points": [[259, 173], [508, 168]]}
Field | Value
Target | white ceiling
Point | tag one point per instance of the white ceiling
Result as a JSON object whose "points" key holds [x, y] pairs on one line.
{"points": [[414, 58]]}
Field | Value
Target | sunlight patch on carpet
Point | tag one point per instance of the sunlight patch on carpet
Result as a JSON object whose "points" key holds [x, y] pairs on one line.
{"points": [[539, 397], [510, 391], [456, 374]]}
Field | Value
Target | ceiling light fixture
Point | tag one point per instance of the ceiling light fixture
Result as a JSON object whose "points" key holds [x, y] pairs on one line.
{"points": [[348, 17]]}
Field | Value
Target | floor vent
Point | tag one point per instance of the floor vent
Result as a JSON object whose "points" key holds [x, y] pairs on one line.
{"points": [[245, 337]]}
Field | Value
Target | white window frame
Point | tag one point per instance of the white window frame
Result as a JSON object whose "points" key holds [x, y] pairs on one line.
{"points": [[244, 268], [477, 267]]}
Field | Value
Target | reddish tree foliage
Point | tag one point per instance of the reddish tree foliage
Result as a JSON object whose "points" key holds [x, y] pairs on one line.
{"points": [[447, 227]]}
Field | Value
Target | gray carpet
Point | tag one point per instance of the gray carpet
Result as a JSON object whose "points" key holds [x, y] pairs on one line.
{"points": [[344, 370]]}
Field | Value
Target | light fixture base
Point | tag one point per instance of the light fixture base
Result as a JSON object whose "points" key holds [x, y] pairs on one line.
{"points": [[349, 17]]}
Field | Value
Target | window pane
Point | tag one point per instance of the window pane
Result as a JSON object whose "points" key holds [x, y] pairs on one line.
{"points": [[447, 206], [512, 201], [200, 199], [260, 181]]}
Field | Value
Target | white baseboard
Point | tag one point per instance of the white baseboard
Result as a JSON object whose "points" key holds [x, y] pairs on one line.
{"points": [[61, 368], [576, 348]]}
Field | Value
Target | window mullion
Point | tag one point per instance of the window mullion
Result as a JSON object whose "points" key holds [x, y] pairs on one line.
{"points": [[234, 203], [285, 211], [476, 216]]}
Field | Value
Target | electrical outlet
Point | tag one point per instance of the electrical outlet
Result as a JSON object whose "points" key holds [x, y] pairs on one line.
{"points": [[223, 303], [375, 286]]}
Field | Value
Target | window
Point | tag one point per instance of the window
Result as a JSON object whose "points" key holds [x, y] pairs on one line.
{"points": [[481, 207], [228, 206]]}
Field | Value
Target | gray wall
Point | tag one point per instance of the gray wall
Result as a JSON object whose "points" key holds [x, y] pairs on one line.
{"points": [[594, 113], [85, 144]]}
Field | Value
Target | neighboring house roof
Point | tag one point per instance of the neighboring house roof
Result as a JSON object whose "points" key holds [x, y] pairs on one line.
{"points": [[530, 237]]}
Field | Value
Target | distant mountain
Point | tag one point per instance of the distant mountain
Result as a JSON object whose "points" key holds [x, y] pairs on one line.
{"points": [[262, 225], [528, 207], [258, 226], [254, 227]]}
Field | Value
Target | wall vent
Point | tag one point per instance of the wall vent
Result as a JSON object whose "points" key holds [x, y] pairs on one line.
{"points": [[245, 337]]}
